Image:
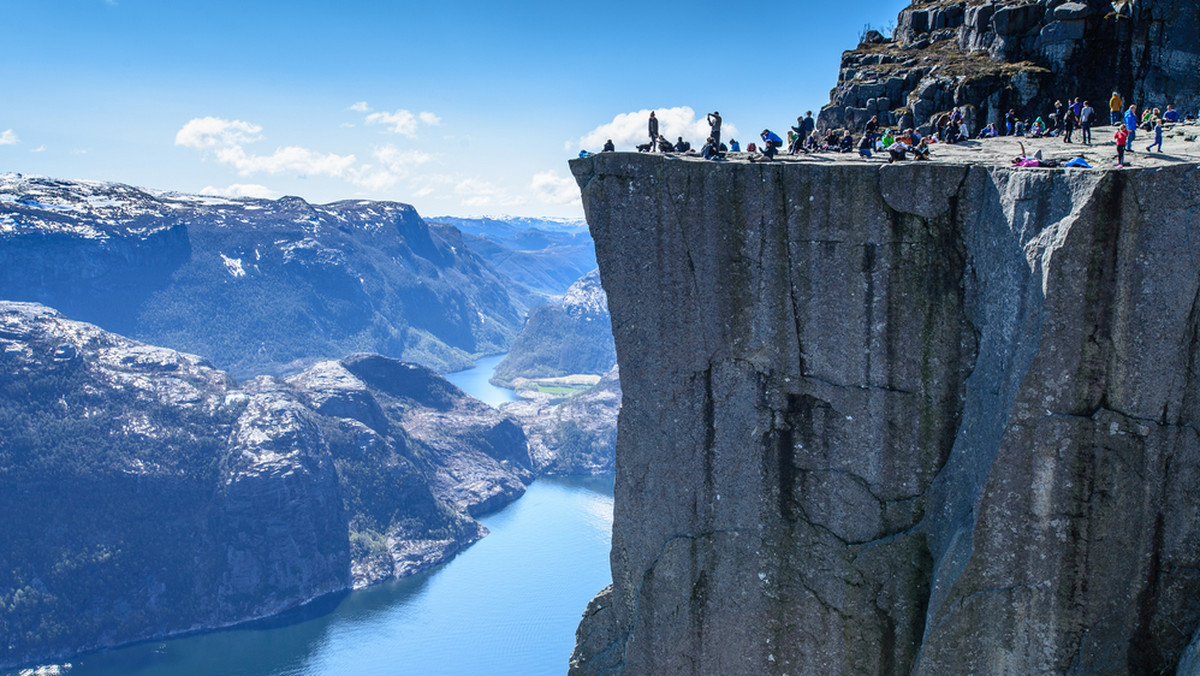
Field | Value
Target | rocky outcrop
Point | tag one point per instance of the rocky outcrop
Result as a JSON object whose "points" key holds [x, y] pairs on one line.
{"points": [[145, 493], [988, 57], [926, 419], [257, 286], [570, 337], [577, 436]]}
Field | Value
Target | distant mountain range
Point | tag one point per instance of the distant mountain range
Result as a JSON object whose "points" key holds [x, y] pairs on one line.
{"points": [[259, 286], [545, 255]]}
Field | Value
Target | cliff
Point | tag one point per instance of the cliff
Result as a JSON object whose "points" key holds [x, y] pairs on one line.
{"points": [[257, 286], [926, 418], [988, 57], [146, 493]]}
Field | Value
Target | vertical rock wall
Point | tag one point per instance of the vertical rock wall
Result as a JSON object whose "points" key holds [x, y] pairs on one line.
{"points": [[905, 419]]}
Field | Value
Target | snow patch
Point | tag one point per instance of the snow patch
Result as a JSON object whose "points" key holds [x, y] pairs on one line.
{"points": [[234, 266]]}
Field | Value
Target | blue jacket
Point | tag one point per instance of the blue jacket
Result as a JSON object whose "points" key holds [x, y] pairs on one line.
{"points": [[1131, 120], [772, 136]]}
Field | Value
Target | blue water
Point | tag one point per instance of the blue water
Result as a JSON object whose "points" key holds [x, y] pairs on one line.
{"points": [[475, 382], [508, 604]]}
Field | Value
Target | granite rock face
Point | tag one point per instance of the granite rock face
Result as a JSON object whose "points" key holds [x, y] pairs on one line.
{"points": [[146, 493], [988, 57], [918, 419]]}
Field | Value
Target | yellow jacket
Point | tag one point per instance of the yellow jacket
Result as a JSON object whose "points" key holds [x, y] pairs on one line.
{"points": [[1115, 103]]}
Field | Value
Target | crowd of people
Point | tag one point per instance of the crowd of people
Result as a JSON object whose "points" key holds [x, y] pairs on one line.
{"points": [[950, 127]]}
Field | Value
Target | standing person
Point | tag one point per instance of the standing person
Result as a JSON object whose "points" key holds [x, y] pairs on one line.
{"points": [[1087, 118], [1056, 118], [798, 142], [1078, 108], [1122, 136], [871, 129], [652, 127], [1158, 129], [810, 125], [714, 121], [1131, 123], [1069, 125], [1010, 121], [1114, 109]]}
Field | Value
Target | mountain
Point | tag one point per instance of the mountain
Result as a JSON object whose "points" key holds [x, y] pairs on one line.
{"points": [[257, 286], [544, 255], [914, 418], [572, 436], [559, 339], [989, 57], [146, 493]]}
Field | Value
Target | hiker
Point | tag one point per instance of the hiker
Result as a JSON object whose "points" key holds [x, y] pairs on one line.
{"points": [[1010, 122], [1057, 116], [871, 128], [665, 146], [1171, 115], [897, 150], [797, 136], [1086, 119], [1069, 125], [1077, 108], [1158, 130], [1122, 136], [710, 150], [652, 127], [733, 145], [864, 146], [921, 151], [1039, 128], [608, 146], [771, 143], [1131, 123], [1114, 109], [714, 121], [846, 144], [810, 125], [989, 131], [682, 146]]}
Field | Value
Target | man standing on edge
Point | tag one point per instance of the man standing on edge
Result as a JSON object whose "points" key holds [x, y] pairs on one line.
{"points": [[1131, 124], [652, 127], [714, 121]]}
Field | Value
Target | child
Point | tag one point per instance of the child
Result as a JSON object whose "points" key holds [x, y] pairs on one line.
{"points": [[1121, 137], [1158, 129]]}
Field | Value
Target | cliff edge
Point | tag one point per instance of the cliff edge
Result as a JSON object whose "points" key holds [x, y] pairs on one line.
{"points": [[925, 418]]}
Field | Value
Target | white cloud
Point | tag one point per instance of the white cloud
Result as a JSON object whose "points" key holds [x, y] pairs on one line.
{"points": [[224, 138], [402, 121], [290, 158], [241, 190], [39, 149], [210, 132], [553, 188], [629, 129], [360, 107], [8, 138], [400, 161]]}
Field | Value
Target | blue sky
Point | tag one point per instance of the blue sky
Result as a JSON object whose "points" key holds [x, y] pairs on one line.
{"points": [[457, 107]]}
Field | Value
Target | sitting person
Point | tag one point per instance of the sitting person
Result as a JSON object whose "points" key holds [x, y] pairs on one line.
{"points": [[989, 131], [864, 145], [608, 146], [1171, 115], [921, 150], [887, 139], [897, 151], [710, 150], [1038, 129], [831, 140], [665, 146], [812, 144], [734, 146], [682, 146], [846, 143], [1020, 127]]}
